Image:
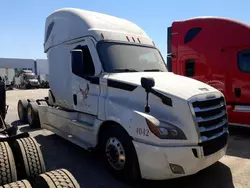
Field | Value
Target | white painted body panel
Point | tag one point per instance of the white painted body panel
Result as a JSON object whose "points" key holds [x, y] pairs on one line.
{"points": [[154, 160], [79, 128], [168, 83]]}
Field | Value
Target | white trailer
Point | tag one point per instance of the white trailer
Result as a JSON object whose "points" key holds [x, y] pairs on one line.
{"points": [[110, 90], [42, 66], [43, 72], [42, 69], [7, 74]]}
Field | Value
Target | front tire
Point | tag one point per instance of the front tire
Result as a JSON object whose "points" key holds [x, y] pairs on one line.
{"points": [[119, 154]]}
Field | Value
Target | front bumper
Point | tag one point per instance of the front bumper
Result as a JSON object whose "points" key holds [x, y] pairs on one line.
{"points": [[154, 161], [34, 84]]}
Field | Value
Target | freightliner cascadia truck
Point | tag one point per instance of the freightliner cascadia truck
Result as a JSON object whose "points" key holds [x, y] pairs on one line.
{"points": [[215, 51], [110, 90]]}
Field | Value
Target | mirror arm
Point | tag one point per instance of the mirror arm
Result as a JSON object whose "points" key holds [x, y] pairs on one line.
{"points": [[147, 107]]}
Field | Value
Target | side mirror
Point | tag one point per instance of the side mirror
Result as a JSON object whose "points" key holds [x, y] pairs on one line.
{"points": [[76, 57], [147, 83]]}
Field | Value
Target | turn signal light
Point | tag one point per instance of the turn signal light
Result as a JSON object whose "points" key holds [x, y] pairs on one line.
{"points": [[153, 128]]}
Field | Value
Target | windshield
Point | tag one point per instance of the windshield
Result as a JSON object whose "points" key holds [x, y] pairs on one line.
{"points": [[120, 57], [30, 76]]}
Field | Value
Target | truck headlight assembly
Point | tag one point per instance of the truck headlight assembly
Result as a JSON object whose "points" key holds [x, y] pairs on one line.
{"points": [[166, 131]]}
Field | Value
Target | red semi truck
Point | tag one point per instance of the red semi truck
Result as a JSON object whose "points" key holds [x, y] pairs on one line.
{"points": [[215, 51]]}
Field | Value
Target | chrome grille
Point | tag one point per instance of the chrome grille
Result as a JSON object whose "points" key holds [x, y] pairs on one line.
{"points": [[211, 119]]}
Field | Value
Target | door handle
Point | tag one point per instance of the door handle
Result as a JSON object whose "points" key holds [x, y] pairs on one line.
{"points": [[75, 99], [237, 92]]}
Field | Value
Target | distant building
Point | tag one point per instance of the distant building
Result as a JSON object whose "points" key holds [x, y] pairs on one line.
{"points": [[38, 66]]}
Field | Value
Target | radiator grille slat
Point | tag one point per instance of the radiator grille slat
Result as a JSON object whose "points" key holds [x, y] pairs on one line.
{"points": [[211, 118]]}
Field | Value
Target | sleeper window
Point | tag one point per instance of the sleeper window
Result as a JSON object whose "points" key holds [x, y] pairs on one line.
{"points": [[50, 27], [191, 34]]}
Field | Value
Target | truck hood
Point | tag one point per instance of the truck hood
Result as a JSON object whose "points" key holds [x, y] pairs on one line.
{"points": [[166, 83]]}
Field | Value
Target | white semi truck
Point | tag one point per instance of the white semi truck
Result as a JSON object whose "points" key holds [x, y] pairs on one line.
{"points": [[110, 90], [27, 80]]}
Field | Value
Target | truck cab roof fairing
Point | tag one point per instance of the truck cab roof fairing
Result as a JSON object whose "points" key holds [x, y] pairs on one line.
{"points": [[76, 23]]}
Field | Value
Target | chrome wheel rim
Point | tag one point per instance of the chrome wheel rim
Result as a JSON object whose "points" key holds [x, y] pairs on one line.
{"points": [[115, 153], [29, 113]]}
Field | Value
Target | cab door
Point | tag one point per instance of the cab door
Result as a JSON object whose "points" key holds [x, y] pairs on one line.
{"points": [[85, 83], [240, 76], [85, 68], [238, 86]]}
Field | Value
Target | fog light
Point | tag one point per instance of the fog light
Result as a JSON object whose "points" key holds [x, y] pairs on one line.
{"points": [[176, 169]]}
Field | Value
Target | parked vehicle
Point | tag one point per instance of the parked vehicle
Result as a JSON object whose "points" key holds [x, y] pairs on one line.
{"points": [[27, 80], [114, 94], [207, 49]]}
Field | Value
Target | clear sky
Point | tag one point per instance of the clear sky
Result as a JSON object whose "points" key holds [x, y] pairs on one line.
{"points": [[22, 21]]}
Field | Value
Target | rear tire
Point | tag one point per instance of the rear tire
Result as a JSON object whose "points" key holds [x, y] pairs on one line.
{"points": [[8, 172], [28, 157], [119, 154], [22, 110], [18, 184], [56, 178], [32, 115]]}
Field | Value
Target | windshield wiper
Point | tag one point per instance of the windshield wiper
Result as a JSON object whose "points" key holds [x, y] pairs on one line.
{"points": [[125, 70], [152, 70]]}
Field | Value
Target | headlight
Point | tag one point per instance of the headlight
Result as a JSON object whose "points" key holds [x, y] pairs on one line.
{"points": [[166, 131]]}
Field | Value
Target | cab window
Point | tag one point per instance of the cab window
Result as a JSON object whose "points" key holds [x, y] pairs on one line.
{"points": [[244, 60], [87, 65]]}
